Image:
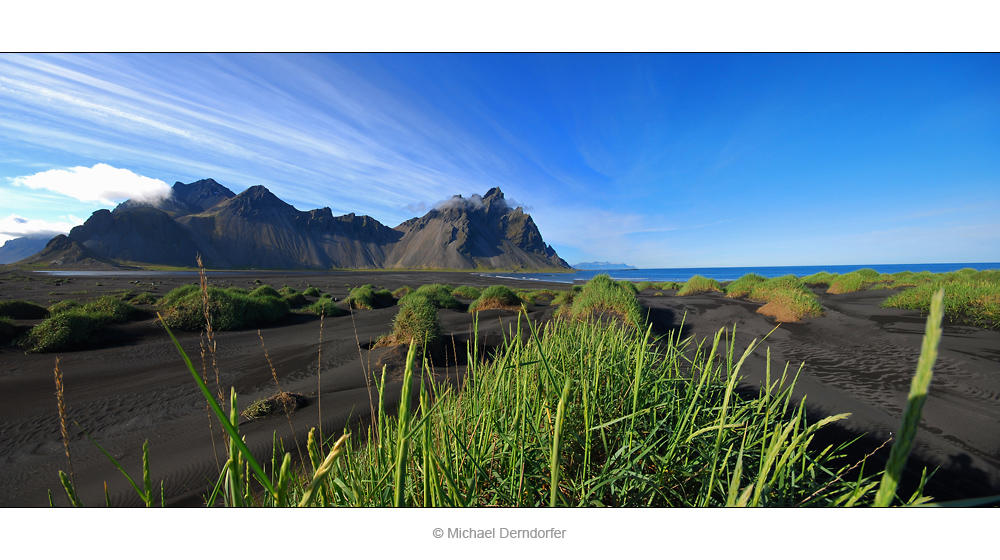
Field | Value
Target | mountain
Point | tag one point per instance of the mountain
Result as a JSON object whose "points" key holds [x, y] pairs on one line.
{"points": [[256, 229], [476, 233], [137, 234], [63, 252], [21, 247], [602, 266], [185, 199]]}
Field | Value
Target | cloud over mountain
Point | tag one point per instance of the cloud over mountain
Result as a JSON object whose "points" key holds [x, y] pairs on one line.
{"points": [[101, 183]]}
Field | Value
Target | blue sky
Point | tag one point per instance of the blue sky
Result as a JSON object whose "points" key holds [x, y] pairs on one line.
{"points": [[653, 160]]}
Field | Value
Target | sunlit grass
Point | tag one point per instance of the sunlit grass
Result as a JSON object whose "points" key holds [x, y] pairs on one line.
{"points": [[699, 284], [572, 413]]}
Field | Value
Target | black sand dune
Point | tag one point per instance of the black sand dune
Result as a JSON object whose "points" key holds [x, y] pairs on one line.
{"points": [[858, 359]]}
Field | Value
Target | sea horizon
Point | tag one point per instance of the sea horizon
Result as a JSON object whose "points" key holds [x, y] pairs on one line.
{"points": [[727, 274]]}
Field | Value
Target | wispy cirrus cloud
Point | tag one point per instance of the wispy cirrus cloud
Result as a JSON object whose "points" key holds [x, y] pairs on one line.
{"points": [[326, 136]]}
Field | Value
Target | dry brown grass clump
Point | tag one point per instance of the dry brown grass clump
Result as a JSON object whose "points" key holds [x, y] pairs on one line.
{"points": [[790, 307], [281, 402]]}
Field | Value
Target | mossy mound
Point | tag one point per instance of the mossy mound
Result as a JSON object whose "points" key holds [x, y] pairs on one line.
{"points": [[367, 297], [229, 309], [326, 307], [602, 295], [20, 309], [416, 321], [699, 284], [438, 294], [496, 297], [466, 292]]}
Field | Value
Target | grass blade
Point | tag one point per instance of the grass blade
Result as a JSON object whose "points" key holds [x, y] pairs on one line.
{"points": [[226, 424], [402, 445], [915, 404]]}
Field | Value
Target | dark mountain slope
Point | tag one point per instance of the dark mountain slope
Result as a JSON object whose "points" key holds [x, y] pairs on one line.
{"points": [[138, 235], [63, 252], [257, 229]]}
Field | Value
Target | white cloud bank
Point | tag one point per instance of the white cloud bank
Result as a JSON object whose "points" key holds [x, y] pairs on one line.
{"points": [[101, 183], [16, 226]]}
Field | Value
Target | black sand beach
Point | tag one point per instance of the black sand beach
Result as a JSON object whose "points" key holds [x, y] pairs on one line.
{"points": [[858, 358]]}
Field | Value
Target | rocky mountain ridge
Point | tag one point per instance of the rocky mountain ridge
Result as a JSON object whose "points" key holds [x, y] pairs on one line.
{"points": [[256, 229]]}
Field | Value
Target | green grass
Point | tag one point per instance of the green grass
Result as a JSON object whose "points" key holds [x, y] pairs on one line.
{"points": [[20, 309], [785, 298], [145, 298], [645, 285], [367, 297], [823, 278], [603, 295], [72, 325], [417, 321], [66, 331], [861, 279], [294, 298], [311, 291], [440, 295], [9, 331], [496, 297], [572, 414], [699, 284], [847, 283], [967, 299], [398, 293], [262, 291], [230, 309], [64, 306], [545, 423], [326, 307], [466, 292], [744, 285]]}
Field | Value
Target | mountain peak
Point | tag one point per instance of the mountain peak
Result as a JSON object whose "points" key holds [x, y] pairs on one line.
{"points": [[493, 194], [258, 192]]}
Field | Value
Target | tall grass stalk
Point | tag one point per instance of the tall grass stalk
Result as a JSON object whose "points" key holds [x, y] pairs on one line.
{"points": [[915, 403], [402, 444], [61, 402], [236, 444]]}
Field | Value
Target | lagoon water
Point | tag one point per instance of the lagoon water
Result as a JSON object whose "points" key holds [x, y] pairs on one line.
{"points": [[722, 274], [726, 274]]}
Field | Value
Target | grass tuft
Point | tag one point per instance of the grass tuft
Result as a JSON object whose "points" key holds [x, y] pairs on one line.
{"points": [[282, 401], [20, 309], [326, 307], [466, 292], [417, 320], [602, 294], [699, 284], [367, 297], [744, 285], [440, 295], [496, 297], [229, 309]]}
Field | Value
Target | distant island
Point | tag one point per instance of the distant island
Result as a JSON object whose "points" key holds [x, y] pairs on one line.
{"points": [[603, 266]]}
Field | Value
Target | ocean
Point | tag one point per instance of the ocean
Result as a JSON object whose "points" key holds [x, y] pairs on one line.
{"points": [[726, 274]]}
